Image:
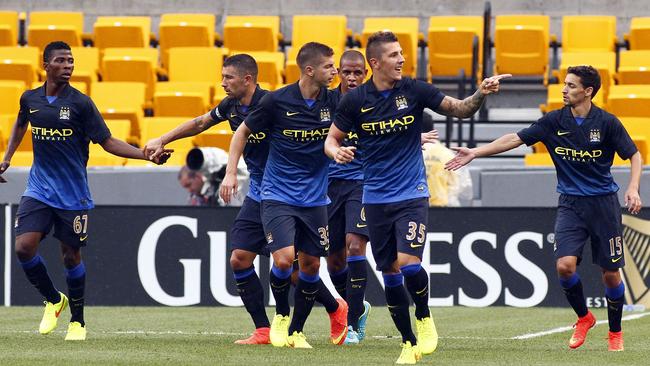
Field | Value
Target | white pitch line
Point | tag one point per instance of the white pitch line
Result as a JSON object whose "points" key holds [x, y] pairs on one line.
{"points": [[564, 329]]}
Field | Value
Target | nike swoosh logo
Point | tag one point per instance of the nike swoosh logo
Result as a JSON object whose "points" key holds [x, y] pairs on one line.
{"points": [[58, 312], [232, 115], [357, 279], [309, 293], [562, 133], [83, 238], [32, 110], [617, 259], [361, 226], [422, 291], [364, 110], [289, 114], [416, 245]]}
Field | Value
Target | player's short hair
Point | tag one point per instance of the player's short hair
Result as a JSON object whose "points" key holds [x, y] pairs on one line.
{"points": [[51, 47], [376, 41], [243, 63], [311, 53], [588, 75], [352, 55]]}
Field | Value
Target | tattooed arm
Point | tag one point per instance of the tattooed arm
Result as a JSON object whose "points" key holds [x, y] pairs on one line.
{"points": [[467, 107]]}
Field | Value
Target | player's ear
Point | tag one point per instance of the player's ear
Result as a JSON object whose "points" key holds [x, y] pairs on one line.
{"points": [[309, 70], [589, 91]]}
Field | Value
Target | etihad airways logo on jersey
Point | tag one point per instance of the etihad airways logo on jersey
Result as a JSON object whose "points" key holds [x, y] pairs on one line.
{"points": [[307, 135], [584, 156], [389, 126], [256, 138], [352, 137], [51, 134]]}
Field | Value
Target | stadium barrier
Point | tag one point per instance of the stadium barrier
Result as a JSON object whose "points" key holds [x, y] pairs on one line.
{"points": [[178, 256]]}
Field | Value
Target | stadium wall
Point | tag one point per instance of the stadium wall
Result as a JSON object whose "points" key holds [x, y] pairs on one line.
{"points": [[356, 10], [178, 256]]}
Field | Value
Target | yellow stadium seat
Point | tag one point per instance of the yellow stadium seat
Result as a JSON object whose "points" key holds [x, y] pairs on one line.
{"points": [[450, 40], [185, 30], [132, 31], [8, 28], [132, 64], [309, 28], [521, 45], [641, 142], [269, 67], [637, 126], [629, 100], [217, 136], [20, 63], [554, 98], [121, 100], [121, 130], [181, 99], [588, 33], [605, 62], [86, 66], [639, 36], [10, 92], [538, 159], [196, 64], [406, 30], [154, 127], [251, 33], [220, 94], [634, 67], [48, 26]]}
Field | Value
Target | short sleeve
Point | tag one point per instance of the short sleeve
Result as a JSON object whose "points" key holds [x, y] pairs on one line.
{"points": [[535, 132], [22, 118], [621, 140], [261, 117], [346, 113], [428, 94], [95, 126], [220, 112]]}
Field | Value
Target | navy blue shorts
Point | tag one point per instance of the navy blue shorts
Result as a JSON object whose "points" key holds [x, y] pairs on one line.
{"points": [[303, 227], [597, 218], [70, 226], [247, 231], [346, 213], [397, 227]]}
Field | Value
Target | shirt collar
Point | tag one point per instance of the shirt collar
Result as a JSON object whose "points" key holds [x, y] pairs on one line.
{"points": [[62, 94]]}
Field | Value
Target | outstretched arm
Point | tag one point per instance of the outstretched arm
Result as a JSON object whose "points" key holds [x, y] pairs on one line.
{"points": [[467, 107], [632, 197], [17, 134], [121, 148], [464, 155], [155, 147], [237, 144], [333, 148]]}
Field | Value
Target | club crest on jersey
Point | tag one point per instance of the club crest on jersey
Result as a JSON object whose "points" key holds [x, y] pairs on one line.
{"points": [[269, 237], [325, 115], [64, 113], [401, 103], [594, 135]]}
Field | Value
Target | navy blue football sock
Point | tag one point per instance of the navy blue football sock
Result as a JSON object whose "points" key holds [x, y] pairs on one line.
{"points": [[615, 299], [339, 280], [280, 285], [252, 295], [417, 284], [356, 288], [572, 288], [37, 275], [304, 297], [76, 279], [398, 306], [325, 297]]}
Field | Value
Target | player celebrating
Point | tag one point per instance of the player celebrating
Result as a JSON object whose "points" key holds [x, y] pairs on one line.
{"points": [[63, 121], [347, 224], [239, 80], [387, 113], [294, 192], [582, 140]]}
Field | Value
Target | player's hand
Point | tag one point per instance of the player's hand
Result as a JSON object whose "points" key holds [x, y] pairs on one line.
{"points": [[163, 157], [491, 85], [3, 168], [462, 158], [153, 149], [633, 201], [228, 187], [344, 154], [431, 136]]}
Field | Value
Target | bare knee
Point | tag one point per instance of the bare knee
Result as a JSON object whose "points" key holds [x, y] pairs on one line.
{"points": [[356, 245], [336, 261], [26, 246], [71, 256], [565, 269], [611, 278], [309, 265], [241, 260]]}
